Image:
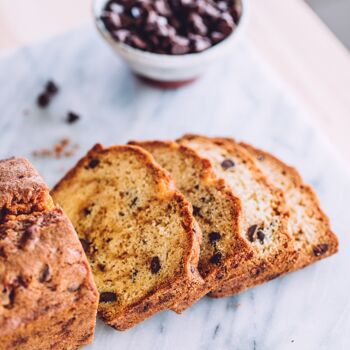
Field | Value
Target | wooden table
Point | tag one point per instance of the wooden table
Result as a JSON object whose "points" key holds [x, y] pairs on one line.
{"points": [[287, 33]]}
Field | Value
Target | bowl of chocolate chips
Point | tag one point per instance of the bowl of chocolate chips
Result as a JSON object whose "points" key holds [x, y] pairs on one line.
{"points": [[170, 43]]}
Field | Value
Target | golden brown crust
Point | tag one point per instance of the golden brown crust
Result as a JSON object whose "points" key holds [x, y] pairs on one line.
{"points": [[238, 248], [166, 294], [22, 190], [326, 242], [256, 270]]}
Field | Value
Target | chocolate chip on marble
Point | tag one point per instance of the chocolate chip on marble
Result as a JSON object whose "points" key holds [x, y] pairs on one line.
{"points": [[51, 87], [155, 265], [45, 274], [216, 258], [251, 232], [227, 164], [320, 249], [43, 100], [72, 117], [93, 163], [108, 297], [214, 237]]}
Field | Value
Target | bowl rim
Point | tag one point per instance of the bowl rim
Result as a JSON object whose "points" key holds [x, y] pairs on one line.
{"points": [[97, 8]]}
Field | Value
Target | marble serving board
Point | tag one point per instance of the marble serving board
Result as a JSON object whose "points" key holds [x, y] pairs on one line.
{"points": [[241, 98]]}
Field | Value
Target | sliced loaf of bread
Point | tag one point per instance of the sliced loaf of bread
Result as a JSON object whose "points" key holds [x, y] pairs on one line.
{"points": [[265, 214], [308, 224], [137, 229], [48, 299], [216, 209]]}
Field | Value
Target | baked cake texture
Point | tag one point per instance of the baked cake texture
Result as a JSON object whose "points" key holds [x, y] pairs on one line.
{"points": [[309, 225], [264, 219], [137, 229], [216, 209], [48, 299]]}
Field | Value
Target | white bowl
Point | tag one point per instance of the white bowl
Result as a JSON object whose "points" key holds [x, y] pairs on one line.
{"points": [[169, 68]]}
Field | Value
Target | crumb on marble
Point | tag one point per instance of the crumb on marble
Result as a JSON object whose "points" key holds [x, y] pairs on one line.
{"points": [[62, 149]]}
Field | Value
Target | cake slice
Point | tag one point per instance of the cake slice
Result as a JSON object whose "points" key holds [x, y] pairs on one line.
{"points": [[308, 224], [138, 231], [216, 209], [264, 218], [48, 299]]}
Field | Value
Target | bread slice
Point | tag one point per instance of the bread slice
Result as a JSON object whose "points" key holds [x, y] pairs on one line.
{"points": [[265, 216], [138, 231], [216, 209], [308, 224], [48, 299]]}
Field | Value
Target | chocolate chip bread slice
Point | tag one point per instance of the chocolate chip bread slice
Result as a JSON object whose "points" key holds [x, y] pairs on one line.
{"points": [[265, 216], [308, 224], [138, 231], [216, 209], [48, 299]]}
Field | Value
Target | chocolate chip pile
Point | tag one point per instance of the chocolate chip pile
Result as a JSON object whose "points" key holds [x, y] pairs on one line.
{"points": [[173, 27]]}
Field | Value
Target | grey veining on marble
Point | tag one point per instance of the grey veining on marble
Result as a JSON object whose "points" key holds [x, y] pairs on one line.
{"points": [[241, 98]]}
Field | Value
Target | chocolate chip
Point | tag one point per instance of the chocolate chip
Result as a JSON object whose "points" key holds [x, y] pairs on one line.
{"points": [[251, 232], [43, 100], [214, 237], [225, 24], [137, 42], [121, 35], [260, 158], [227, 163], [108, 297], [197, 24], [19, 341], [133, 202], [196, 211], [320, 249], [152, 25], [85, 244], [93, 163], [216, 258], [134, 275], [261, 236], [45, 274], [179, 45], [155, 265], [51, 88], [87, 211], [72, 118], [101, 267], [27, 235]]}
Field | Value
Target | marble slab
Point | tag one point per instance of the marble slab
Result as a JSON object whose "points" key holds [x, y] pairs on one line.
{"points": [[241, 98]]}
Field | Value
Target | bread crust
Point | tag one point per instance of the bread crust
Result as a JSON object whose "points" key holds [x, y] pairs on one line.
{"points": [[256, 270], [325, 236], [239, 248], [22, 190], [166, 294], [48, 298]]}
